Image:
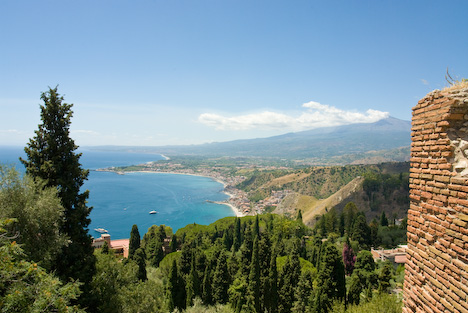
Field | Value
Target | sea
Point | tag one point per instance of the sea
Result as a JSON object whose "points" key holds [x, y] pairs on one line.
{"points": [[120, 201]]}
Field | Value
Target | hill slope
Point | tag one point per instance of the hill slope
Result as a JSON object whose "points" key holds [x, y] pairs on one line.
{"points": [[319, 144], [373, 188]]}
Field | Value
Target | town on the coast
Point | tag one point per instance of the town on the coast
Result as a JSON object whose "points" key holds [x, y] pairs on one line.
{"points": [[238, 199]]}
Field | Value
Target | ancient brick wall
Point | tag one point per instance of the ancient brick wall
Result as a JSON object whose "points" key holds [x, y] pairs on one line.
{"points": [[436, 277]]}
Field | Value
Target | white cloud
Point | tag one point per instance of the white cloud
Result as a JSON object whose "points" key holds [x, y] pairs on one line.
{"points": [[264, 120], [425, 82], [84, 132], [316, 115]]}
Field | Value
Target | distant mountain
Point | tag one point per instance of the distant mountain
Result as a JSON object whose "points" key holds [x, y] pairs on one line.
{"points": [[317, 144]]}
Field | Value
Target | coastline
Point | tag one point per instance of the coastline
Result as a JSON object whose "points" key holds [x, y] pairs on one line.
{"points": [[236, 210]]}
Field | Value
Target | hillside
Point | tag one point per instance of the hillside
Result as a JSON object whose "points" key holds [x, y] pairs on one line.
{"points": [[373, 188], [358, 143]]}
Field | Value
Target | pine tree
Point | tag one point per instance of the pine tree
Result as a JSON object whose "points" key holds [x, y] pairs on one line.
{"points": [[51, 156], [134, 242]]}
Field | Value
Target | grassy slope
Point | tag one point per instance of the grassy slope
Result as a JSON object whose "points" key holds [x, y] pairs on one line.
{"points": [[321, 188]]}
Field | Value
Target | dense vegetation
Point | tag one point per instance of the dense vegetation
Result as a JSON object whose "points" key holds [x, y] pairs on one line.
{"points": [[322, 182], [266, 263]]}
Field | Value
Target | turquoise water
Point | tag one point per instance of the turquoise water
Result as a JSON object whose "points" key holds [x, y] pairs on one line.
{"points": [[119, 201]]}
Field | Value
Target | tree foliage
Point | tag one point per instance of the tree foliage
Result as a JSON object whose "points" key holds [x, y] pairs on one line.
{"points": [[51, 156], [27, 287], [38, 214]]}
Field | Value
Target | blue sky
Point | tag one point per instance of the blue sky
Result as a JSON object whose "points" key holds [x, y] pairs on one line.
{"points": [[187, 72]]}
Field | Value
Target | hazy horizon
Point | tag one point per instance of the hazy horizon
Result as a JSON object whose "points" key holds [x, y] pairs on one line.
{"points": [[158, 73]]}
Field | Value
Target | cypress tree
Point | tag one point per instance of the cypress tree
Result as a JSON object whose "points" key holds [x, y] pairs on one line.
{"points": [[193, 284], [361, 231], [51, 156], [383, 219], [271, 299], [264, 255], [105, 248], [355, 288], [256, 228], [173, 245], [175, 288], [303, 292], [349, 212], [331, 279], [237, 235], [134, 242], [254, 278], [299, 216], [206, 287], [221, 280], [139, 258], [385, 276]]}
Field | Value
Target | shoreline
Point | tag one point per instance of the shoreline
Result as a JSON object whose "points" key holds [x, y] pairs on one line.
{"points": [[236, 210]]}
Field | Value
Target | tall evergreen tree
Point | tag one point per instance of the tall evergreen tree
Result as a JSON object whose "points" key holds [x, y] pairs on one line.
{"points": [[193, 283], [237, 241], [220, 284], [256, 228], [51, 156], [175, 288], [363, 277], [134, 242], [384, 278], [139, 258], [207, 294], [289, 278], [254, 278], [173, 245], [383, 219], [361, 231], [299, 216], [271, 298], [349, 211], [105, 248], [331, 279], [303, 292]]}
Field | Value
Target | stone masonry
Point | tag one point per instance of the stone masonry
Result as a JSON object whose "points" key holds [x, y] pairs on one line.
{"points": [[436, 277]]}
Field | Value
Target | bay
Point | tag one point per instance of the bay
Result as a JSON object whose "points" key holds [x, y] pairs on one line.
{"points": [[119, 201]]}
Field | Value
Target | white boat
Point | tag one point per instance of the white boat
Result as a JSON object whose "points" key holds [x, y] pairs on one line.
{"points": [[153, 212], [101, 230]]}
